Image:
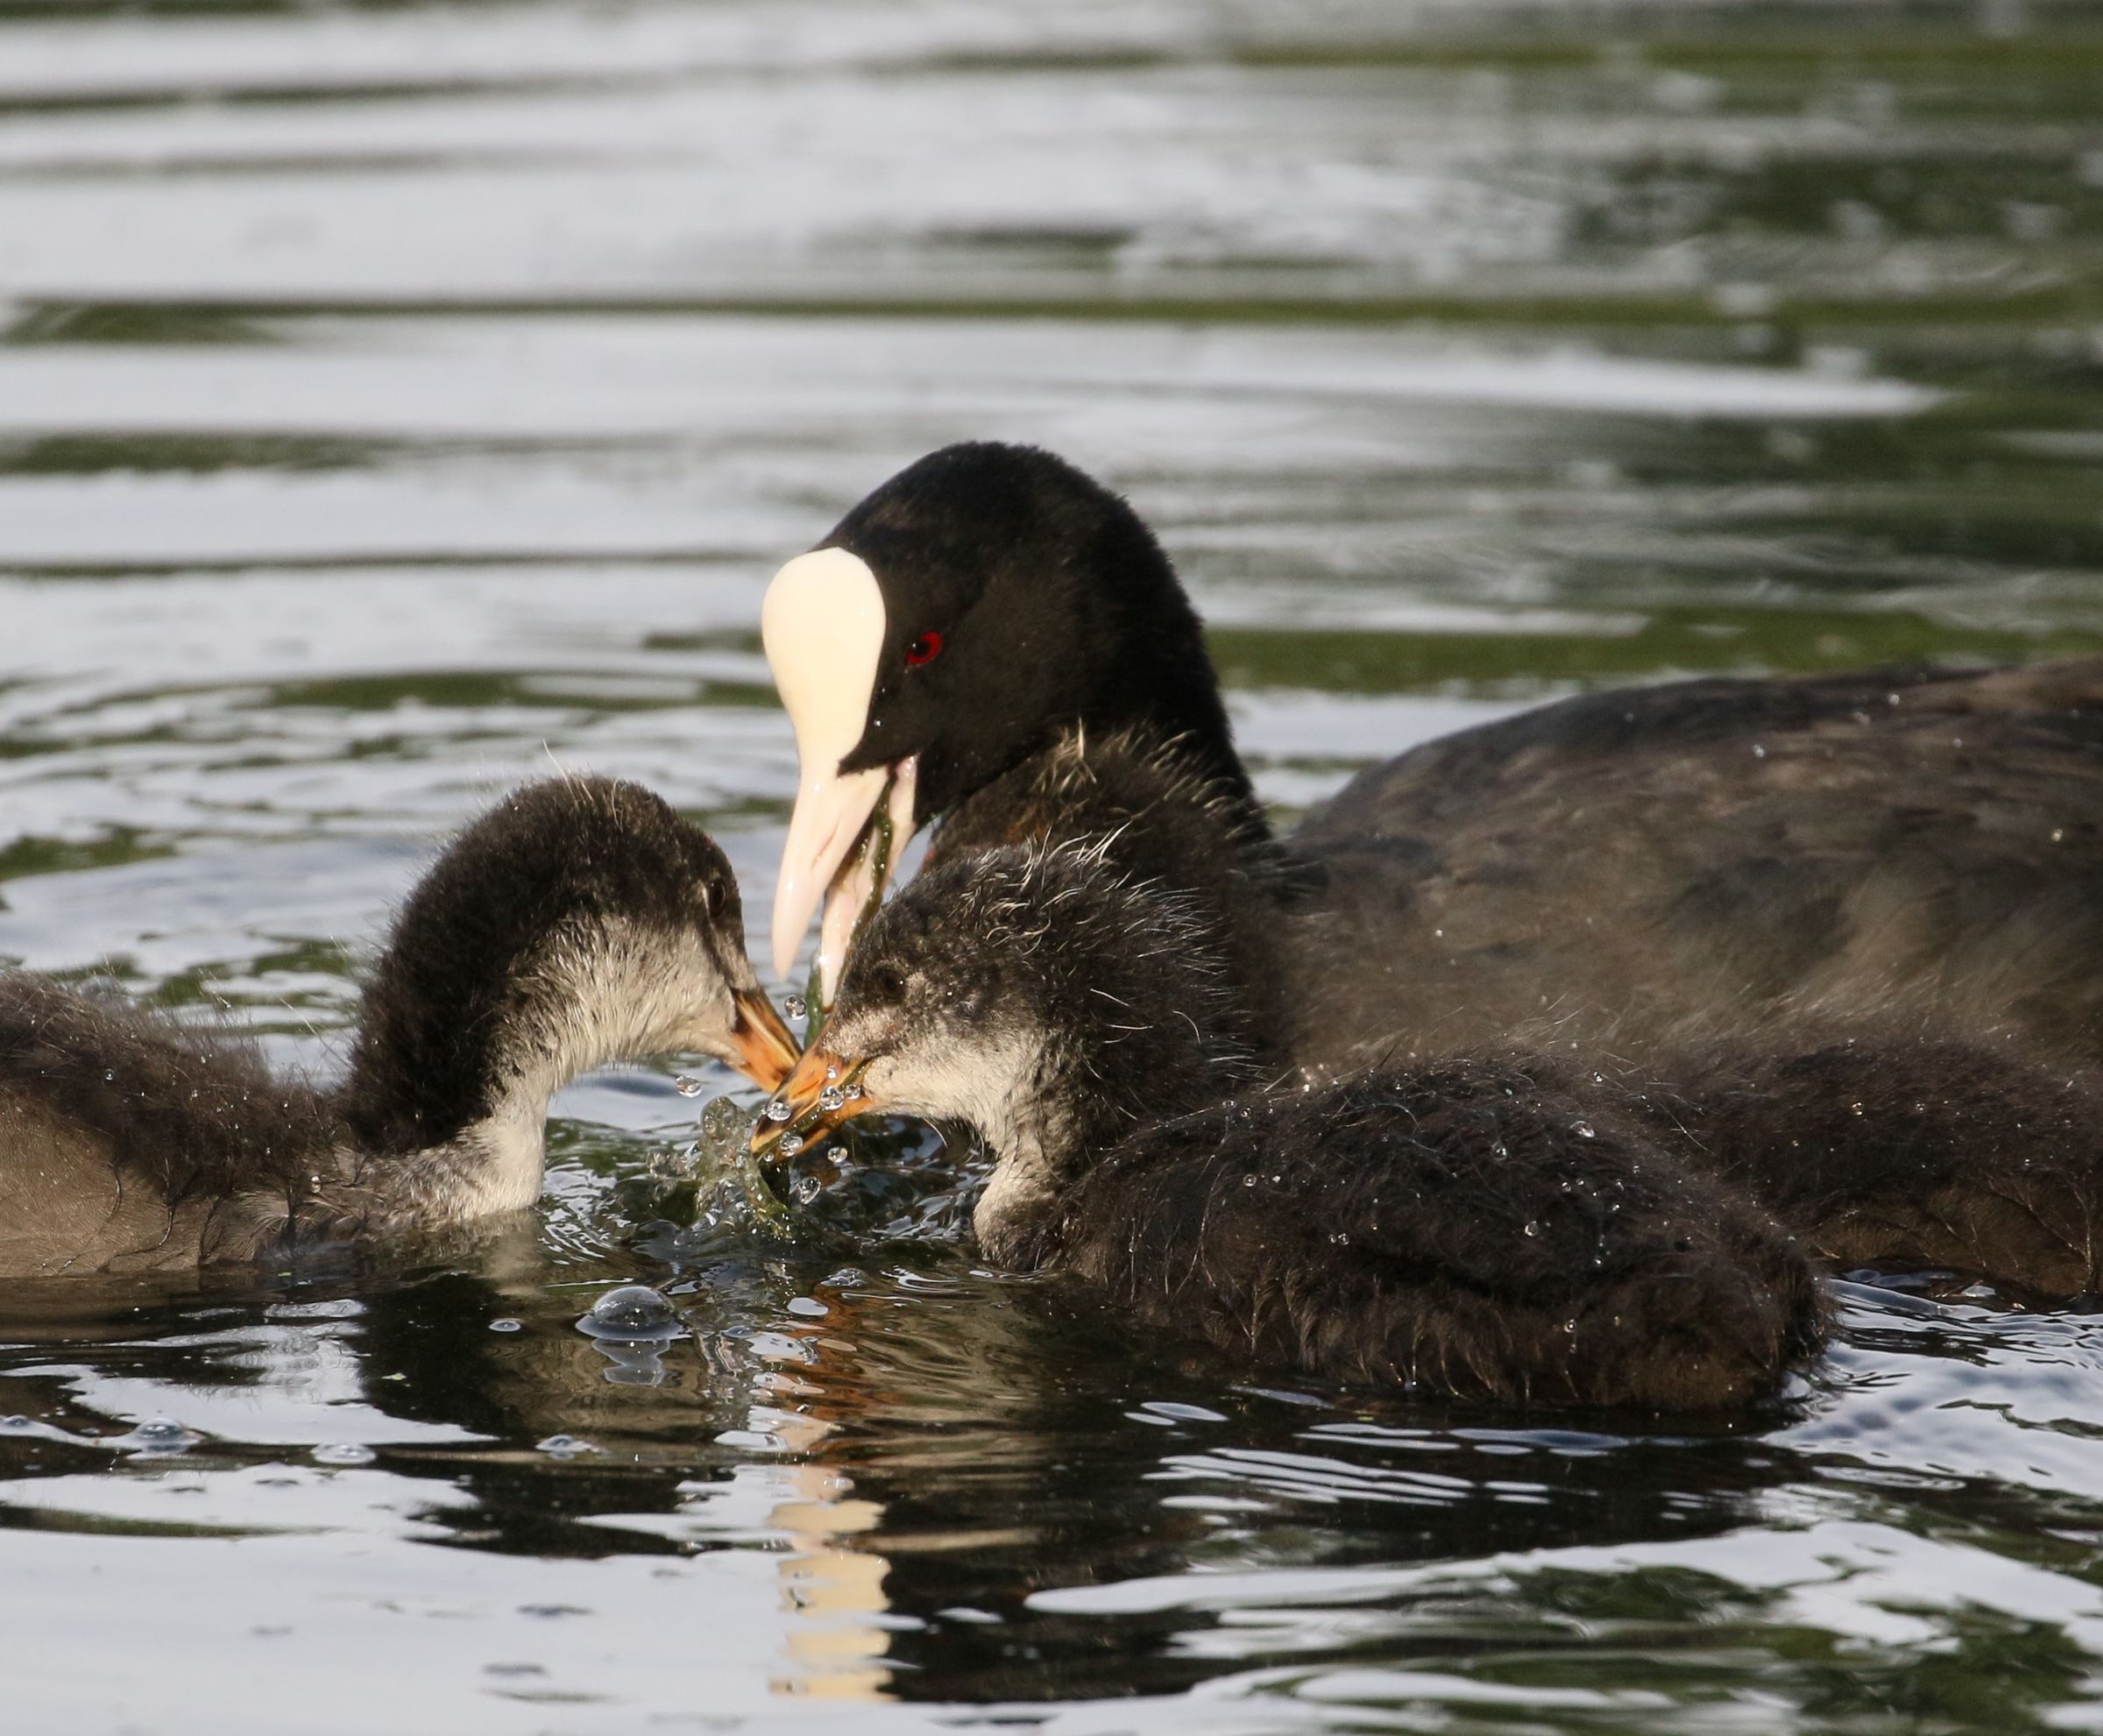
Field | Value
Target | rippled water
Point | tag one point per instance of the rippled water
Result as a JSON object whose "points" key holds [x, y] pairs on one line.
{"points": [[396, 400]]}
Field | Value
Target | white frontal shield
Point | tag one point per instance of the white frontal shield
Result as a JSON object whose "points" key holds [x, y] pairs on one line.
{"points": [[823, 628]]}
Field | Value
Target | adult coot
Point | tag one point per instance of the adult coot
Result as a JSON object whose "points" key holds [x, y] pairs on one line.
{"points": [[1613, 866]]}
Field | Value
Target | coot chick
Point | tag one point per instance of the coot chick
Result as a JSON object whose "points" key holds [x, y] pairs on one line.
{"points": [[580, 922], [1895, 1150], [1739, 851], [1458, 1227]]}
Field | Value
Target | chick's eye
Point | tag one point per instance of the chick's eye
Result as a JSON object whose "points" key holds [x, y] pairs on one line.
{"points": [[714, 896], [925, 649], [887, 983]]}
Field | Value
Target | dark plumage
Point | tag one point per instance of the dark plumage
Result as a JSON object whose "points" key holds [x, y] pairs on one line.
{"points": [[581, 921], [1146, 809], [1896, 1150], [1726, 856], [1457, 1228], [1743, 854], [1005, 551]]}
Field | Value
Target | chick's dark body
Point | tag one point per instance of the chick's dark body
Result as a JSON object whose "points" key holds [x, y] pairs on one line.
{"points": [[1463, 1229]]}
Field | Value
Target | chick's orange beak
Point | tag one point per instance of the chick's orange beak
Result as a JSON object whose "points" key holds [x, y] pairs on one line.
{"points": [[823, 1091], [766, 1050]]}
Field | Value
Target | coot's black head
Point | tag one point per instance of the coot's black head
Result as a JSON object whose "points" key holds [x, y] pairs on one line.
{"points": [[979, 603], [1036, 994], [580, 921]]}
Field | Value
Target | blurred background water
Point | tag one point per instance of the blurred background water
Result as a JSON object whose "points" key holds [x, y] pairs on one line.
{"points": [[396, 401]]}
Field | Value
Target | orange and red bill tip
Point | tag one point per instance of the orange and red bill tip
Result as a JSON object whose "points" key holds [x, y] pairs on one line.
{"points": [[766, 1051], [821, 1092]]}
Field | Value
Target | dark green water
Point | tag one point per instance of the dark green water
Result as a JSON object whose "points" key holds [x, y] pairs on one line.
{"points": [[393, 399]]}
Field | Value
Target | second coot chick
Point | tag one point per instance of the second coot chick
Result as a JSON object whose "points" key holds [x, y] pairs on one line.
{"points": [[580, 923], [1896, 1149], [1461, 1227]]}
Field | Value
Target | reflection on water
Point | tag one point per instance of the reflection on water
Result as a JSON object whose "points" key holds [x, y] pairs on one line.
{"points": [[396, 399]]}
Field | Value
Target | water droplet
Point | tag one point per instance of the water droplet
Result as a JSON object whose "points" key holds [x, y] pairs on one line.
{"points": [[804, 1189], [1584, 1130], [635, 1311], [796, 1006], [687, 1086], [838, 1154], [1759, 752], [778, 1109], [110, 1078], [2058, 834], [565, 1446], [1857, 1108], [1248, 1181], [833, 1072], [1533, 1226], [507, 1325], [343, 1452], [725, 1127], [1570, 1325], [1340, 1239], [831, 1097]]}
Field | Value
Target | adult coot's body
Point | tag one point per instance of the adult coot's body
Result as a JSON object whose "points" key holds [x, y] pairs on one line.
{"points": [[1723, 852], [580, 922]]}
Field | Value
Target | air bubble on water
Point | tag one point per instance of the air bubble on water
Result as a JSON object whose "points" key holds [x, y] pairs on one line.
{"points": [[778, 1109], [795, 1006], [831, 1097], [1533, 1226], [804, 1189], [343, 1452], [507, 1324], [161, 1434], [633, 1313], [687, 1086], [845, 1279], [565, 1446]]}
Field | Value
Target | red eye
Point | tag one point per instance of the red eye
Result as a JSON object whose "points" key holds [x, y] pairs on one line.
{"points": [[925, 649]]}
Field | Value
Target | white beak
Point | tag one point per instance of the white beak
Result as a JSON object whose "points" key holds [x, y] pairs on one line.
{"points": [[823, 625]]}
